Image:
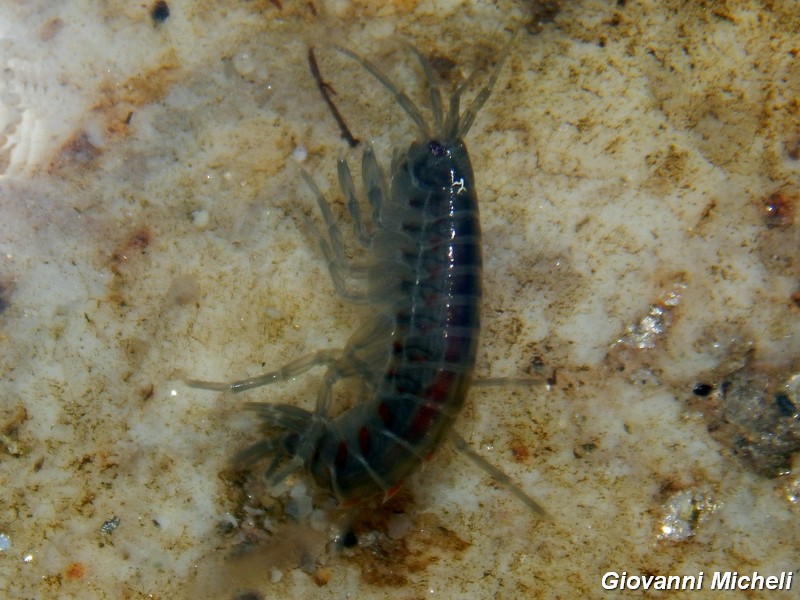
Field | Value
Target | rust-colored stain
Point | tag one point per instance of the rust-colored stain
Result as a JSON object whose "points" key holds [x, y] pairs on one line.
{"points": [[75, 570], [322, 576], [794, 301], [778, 209], [520, 451], [77, 150], [113, 112], [143, 88], [389, 543], [50, 29], [123, 260], [388, 562], [135, 245], [706, 216], [779, 240]]}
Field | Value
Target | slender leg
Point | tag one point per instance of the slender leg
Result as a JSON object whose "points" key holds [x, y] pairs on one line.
{"points": [[496, 474], [333, 249], [497, 381], [375, 183], [349, 190], [301, 365], [367, 348], [252, 454]]}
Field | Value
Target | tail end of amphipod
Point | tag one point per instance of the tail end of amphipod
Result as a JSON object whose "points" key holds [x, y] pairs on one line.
{"points": [[498, 475]]}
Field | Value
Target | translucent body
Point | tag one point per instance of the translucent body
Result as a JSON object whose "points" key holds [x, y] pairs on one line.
{"points": [[417, 360], [421, 277]]}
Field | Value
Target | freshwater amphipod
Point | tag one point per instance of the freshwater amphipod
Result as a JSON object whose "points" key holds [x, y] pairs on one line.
{"points": [[421, 278]]}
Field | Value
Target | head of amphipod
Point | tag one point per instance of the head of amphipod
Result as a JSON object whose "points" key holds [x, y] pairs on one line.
{"points": [[434, 165], [438, 157]]}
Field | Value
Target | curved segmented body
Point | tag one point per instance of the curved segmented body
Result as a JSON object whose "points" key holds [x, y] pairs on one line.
{"points": [[430, 239], [416, 354]]}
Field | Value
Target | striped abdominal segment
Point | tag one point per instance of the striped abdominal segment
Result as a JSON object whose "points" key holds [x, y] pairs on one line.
{"points": [[375, 448], [380, 442]]}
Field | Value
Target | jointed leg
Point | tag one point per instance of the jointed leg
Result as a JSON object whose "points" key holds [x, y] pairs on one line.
{"points": [[349, 190], [375, 184], [333, 248], [301, 365]]}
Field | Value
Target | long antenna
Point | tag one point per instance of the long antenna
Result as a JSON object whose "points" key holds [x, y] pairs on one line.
{"points": [[402, 99]]}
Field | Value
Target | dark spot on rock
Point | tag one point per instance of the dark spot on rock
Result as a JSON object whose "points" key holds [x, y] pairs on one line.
{"points": [[793, 146], [540, 13], [753, 410], [160, 11], [702, 390], [136, 244], [249, 595], [785, 405], [349, 539], [794, 301], [443, 65], [584, 449], [5, 296]]}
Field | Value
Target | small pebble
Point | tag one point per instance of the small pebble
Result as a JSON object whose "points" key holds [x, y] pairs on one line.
{"points": [[244, 64], [200, 219], [300, 154]]}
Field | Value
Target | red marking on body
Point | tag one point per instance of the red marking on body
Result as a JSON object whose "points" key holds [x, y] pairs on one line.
{"points": [[341, 454], [416, 355], [422, 422], [392, 491], [440, 389], [385, 414], [452, 351], [363, 439]]}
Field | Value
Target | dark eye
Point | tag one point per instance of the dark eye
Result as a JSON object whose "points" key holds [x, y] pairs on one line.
{"points": [[436, 148]]}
